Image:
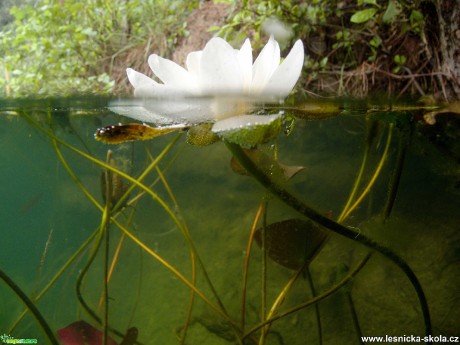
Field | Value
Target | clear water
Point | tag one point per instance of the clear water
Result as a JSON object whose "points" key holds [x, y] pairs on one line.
{"points": [[46, 217]]}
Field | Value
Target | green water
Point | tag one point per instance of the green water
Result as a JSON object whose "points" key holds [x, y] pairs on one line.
{"points": [[45, 217]]}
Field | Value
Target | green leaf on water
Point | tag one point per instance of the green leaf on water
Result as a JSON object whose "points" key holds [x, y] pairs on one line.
{"points": [[248, 130]]}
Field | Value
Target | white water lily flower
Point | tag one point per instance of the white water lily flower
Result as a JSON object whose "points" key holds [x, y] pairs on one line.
{"points": [[216, 84]]}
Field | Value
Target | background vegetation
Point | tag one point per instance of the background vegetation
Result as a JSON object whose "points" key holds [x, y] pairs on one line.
{"points": [[353, 47]]}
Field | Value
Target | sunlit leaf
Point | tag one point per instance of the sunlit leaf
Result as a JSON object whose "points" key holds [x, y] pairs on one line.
{"points": [[363, 15]]}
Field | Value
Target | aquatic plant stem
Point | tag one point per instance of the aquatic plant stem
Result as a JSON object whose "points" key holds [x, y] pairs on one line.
{"points": [[404, 138], [244, 281], [318, 316], [31, 306], [105, 229], [354, 315], [298, 205], [374, 176], [313, 300], [263, 306], [355, 185], [135, 182], [278, 301], [55, 278], [191, 252], [216, 308]]}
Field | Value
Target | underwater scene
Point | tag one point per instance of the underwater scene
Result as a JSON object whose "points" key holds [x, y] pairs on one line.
{"points": [[340, 223]]}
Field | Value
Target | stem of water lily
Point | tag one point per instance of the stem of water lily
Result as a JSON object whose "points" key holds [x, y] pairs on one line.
{"points": [[315, 216], [31, 306]]}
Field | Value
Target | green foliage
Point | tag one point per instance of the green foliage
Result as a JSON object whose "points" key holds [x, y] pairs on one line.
{"points": [[249, 16], [338, 34], [400, 60], [363, 16], [56, 47], [64, 47]]}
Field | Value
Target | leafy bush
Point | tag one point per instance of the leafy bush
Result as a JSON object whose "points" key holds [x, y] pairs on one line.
{"points": [[64, 47], [339, 36]]}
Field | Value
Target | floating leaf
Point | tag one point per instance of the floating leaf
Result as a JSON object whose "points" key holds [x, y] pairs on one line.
{"points": [[248, 130], [293, 242], [363, 15], [201, 135]]}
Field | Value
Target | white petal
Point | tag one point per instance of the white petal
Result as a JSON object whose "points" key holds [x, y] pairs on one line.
{"points": [[138, 79], [265, 64], [220, 69], [193, 64], [244, 56], [285, 77], [170, 73], [243, 121]]}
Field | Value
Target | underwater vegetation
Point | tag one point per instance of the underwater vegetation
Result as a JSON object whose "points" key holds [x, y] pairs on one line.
{"points": [[228, 244]]}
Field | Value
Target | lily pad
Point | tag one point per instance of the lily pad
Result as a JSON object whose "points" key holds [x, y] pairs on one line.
{"points": [[201, 135], [248, 130], [292, 243]]}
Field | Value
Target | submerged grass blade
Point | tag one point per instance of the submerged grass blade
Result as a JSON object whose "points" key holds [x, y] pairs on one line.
{"points": [[246, 264], [313, 300], [373, 179]]}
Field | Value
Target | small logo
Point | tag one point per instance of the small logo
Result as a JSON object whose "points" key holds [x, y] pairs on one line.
{"points": [[8, 339]]}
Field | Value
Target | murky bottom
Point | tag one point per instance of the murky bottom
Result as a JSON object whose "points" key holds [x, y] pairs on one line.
{"points": [[180, 256]]}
